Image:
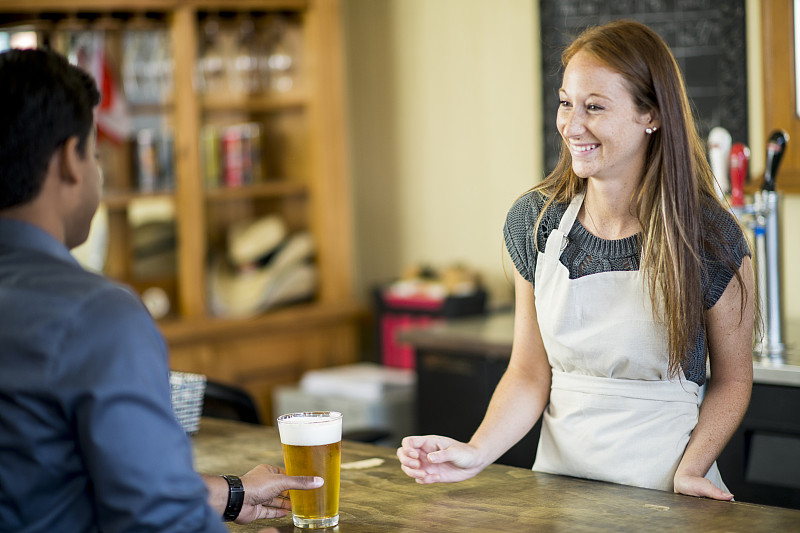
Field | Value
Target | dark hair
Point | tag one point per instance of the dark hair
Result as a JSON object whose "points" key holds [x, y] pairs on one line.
{"points": [[44, 100]]}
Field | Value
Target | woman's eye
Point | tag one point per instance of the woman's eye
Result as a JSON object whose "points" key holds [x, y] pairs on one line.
{"points": [[563, 103], [594, 107]]}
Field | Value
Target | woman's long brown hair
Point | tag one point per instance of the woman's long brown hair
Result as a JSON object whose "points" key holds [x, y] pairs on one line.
{"points": [[675, 189]]}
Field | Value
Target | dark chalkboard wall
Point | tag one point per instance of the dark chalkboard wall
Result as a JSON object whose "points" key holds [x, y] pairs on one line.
{"points": [[707, 38]]}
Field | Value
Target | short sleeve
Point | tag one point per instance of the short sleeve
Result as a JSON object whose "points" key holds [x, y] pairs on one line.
{"points": [[731, 244], [518, 235]]}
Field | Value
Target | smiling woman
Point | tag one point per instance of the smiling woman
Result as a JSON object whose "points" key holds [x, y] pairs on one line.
{"points": [[629, 272]]}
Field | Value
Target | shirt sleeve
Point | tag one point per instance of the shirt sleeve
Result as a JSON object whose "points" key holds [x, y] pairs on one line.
{"points": [[137, 455], [732, 244], [518, 236]]}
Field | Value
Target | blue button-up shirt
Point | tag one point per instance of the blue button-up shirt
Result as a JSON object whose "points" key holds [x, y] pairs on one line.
{"points": [[88, 438]]}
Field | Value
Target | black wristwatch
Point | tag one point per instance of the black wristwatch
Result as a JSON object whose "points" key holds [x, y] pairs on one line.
{"points": [[235, 498]]}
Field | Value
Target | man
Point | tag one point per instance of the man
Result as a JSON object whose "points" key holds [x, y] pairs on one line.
{"points": [[88, 439]]}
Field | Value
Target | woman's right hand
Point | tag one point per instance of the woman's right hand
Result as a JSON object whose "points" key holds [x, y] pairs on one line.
{"points": [[435, 459]]}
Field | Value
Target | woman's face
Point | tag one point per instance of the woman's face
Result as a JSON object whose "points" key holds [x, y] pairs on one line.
{"points": [[600, 123]]}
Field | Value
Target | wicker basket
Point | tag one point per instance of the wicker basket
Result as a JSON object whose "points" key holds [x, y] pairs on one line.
{"points": [[187, 399]]}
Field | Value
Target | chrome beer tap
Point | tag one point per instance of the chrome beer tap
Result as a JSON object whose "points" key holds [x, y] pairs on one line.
{"points": [[772, 344], [762, 216]]}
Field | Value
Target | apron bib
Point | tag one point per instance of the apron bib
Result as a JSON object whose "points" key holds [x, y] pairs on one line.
{"points": [[614, 415]]}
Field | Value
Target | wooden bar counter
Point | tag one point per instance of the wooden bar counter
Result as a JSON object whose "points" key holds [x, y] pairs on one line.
{"points": [[501, 498]]}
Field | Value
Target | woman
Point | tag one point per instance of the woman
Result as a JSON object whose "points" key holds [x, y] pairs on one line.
{"points": [[629, 272]]}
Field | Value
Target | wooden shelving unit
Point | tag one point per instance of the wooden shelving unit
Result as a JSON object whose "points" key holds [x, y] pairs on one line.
{"points": [[254, 104], [306, 179]]}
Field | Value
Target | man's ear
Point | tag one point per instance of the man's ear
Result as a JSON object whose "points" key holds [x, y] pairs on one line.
{"points": [[70, 159]]}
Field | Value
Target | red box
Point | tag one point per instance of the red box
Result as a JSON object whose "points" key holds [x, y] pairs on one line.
{"points": [[394, 313]]}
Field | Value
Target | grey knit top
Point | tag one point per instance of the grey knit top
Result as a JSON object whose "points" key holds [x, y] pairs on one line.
{"points": [[586, 254]]}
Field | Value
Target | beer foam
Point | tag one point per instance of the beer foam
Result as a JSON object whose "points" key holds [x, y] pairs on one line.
{"points": [[310, 431]]}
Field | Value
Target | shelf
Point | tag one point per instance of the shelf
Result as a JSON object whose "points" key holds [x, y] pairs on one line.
{"points": [[150, 108], [258, 190], [255, 5], [119, 200], [254, 103], [104, 6], [301, 316]]}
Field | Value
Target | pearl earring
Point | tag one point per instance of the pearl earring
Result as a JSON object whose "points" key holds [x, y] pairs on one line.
{"points": [[650, 131]]}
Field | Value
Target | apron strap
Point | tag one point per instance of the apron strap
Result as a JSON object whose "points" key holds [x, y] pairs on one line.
{"points": [[678, 390], [557, 240]]}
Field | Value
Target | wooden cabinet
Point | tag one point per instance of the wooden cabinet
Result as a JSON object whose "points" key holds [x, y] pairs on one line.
{"points": [[780, 86], [760, 463], [303, 178]]}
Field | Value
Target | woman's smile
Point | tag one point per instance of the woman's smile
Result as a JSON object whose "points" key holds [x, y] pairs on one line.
{"points": [[580, 149]]}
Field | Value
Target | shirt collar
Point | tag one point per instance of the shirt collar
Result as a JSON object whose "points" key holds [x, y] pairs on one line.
{"points": [[19, 234]]}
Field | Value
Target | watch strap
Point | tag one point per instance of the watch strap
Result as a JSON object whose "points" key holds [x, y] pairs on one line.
{"points": [[235, 498]]}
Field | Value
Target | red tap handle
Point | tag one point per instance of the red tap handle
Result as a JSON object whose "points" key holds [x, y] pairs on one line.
{"points": [[740, 159]]}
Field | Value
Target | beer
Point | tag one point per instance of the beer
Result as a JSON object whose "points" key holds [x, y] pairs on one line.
{"points": [[312, 444]]}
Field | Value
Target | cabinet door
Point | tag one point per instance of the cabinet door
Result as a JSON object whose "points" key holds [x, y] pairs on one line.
{"points": [[453, 393], [760, 464], [258, 360]]}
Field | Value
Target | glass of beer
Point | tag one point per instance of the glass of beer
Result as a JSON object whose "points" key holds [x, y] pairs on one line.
{"points": [[312, 446]]}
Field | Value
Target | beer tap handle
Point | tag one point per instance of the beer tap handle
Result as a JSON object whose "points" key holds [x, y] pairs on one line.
{"points": [[740, 159], [776, 145], [719, 153]]}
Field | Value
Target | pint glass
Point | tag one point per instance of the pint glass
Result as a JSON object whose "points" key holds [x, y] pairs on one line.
{"points": [[312, 446]]}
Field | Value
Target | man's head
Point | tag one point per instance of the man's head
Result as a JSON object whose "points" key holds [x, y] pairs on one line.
{"points": [[47, 109]]}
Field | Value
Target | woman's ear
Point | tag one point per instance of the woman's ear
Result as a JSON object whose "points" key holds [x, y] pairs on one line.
{"points": [[651, 120]]}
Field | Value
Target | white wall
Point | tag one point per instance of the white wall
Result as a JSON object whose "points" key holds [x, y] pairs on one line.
{"points": [[444, 113], [444, 106]]}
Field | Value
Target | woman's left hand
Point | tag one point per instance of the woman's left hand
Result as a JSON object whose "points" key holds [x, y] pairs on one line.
{"points": [[699, 486]]}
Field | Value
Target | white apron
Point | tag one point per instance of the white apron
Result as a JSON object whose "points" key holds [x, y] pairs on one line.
{"points": [[614, 414]]}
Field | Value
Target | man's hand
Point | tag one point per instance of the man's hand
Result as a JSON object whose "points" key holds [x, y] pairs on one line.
{"points": [[266, 492]]}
